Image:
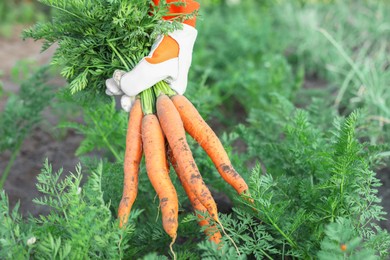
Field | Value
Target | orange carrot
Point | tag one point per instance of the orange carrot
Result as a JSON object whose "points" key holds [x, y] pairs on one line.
{"points": [[133, 156], [205, 136], [211, 232], [156, 167], [174, 131]]}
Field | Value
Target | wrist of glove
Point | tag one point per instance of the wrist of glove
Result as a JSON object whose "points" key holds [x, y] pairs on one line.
{"points": [[147, 72]]}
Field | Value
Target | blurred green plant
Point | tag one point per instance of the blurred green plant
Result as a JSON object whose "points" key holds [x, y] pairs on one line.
{"points": [[342, 242], [347, 43], [1, 84], [239, 57], [103, 128], [13, 13], [21, 113]]}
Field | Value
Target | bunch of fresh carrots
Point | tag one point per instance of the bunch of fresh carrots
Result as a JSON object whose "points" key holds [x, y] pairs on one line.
{"points": [[95, 38], [157, 128]]}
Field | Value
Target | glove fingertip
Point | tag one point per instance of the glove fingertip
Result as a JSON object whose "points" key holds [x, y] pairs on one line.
{"points": [[109, 93], [118, 75], [108, 82], [126, 109], [127, 102], [113, 87]]}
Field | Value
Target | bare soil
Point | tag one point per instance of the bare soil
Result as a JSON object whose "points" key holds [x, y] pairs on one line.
{"points": [[43, 142]]}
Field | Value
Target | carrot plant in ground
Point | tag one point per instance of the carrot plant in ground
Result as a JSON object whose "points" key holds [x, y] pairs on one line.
{"points": [[315, 175], [21, 113], [346, 43], [79, 226], [239, 57], [98, 129]]}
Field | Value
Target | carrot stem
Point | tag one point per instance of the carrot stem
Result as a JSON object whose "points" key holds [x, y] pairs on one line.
{"points": [[148, 101], [10, 163], [119, 55], [163, 88], [103, 135]]}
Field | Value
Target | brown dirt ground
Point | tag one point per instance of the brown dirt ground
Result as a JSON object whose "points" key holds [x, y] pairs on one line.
{"points": [[42, 142]]}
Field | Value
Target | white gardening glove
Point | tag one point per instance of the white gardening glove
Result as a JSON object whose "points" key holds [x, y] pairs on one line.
{"points": [[113, 89], [148, 72]]}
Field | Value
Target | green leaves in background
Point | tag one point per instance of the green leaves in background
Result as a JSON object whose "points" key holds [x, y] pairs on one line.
{"points": [[342, 242], [313, 177], [103, 128], [21, 113], [311, 173], [79, 226]]}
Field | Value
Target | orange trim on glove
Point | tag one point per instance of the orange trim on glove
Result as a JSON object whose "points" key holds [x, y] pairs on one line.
{"points": [[168, 49], [189, 7]]}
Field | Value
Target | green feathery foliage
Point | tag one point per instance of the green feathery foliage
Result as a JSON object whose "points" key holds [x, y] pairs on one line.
{"points": [[343, 242], [320, 195], [22, 112], [96, 37], [79, 226], [317, 177], [103, 128]]}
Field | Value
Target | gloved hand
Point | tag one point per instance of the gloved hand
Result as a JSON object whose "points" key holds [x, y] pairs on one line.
{"points": [[112, 88], [169, 60]]}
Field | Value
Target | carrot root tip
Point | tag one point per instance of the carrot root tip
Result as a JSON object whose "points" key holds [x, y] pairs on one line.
{"points": [[171, 247], [229, 237]]}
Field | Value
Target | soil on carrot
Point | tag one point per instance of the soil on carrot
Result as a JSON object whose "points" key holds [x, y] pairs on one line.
{"points": [[44, 143]]}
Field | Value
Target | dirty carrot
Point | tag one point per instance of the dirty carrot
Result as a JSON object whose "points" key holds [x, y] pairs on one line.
{"points": [[156, 167], [174, 131], [133, 156], [195, 125], [211, 232]]}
